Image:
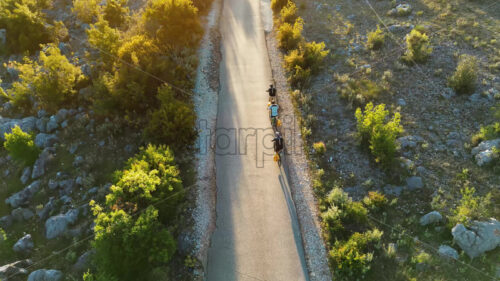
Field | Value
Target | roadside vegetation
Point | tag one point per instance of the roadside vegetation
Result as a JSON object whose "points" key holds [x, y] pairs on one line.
{"points": [[98, 116], [400, 124]]}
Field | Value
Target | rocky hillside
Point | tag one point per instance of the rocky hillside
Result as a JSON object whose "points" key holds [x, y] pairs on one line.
{"points": [[402, 122]]}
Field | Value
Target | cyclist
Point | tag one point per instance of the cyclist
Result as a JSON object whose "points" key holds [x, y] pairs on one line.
{"points": [[278, 143], [273, 113], [272, 92]]}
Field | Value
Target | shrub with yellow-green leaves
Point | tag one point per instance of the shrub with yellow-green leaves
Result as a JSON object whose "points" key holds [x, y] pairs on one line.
{"points": [[464, 80], [472, 207], [26, 25], [304, 61], [87, 11], [277, 5], [21, 146], [379, 133], [106, 40], [290, 36], [51, 81], [173, 123], [418, 49], [133, 231], [116, 12], [375, 39], [289, 13], [173, 23], [319, 147]]}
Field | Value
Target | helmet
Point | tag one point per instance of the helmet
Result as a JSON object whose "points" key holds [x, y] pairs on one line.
{"points": [[277, 133], [271, 86]]}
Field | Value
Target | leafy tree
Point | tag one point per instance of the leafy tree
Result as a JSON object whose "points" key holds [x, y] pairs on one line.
{"points": [[21, 146], [149, 178], [106, 40], [116, 12], [373, 129], [25, 24], [51, 81], [129, 248], [173, 23], [173, 123], [86, 10]]}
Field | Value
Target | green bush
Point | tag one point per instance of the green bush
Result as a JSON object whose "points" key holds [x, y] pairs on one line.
{"points": [[319, 147], [375, 201], [21, 146], [106, 40], [358, 91], [379, 134], [304, 61], [289, 37], [277, 5], [128, 248], [375, 39], [351, 260], [289, 13], [51, 81], [174, 23], [472, 207], [341, 210], [87, 11], [149, 178], [489, 132], [173, 123], [464, 80], [116, 12], [25, 24], [417, 45]]}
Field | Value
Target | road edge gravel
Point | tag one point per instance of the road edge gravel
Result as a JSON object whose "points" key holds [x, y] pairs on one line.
{"points": [[297, 165], [205, 98]]}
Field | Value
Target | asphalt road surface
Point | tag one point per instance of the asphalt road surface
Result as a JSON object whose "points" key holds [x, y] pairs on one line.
{"points": [[256, 236]]}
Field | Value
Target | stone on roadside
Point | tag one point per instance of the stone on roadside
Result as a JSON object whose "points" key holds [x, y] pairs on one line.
{"points": [[22, 197], [414, 183], [431, 218]]}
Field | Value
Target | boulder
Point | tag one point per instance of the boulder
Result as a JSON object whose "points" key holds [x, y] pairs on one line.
{"points": [[24, 245], [84, 262], [15, 269], [46, 275], [414, 183], [393, 190], [66, 186], [483, 153], [43, 140], [6, 221], [22, 197], [41, 163], [480, 238], [61, 115], [22, 214], [41, 125], [47, 209], [52, 124], [58, 225], [26, 176], [448, 252], [430, 218]]}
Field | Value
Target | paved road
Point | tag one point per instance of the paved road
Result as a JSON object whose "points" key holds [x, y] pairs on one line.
{"points": [[256, 236]]}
